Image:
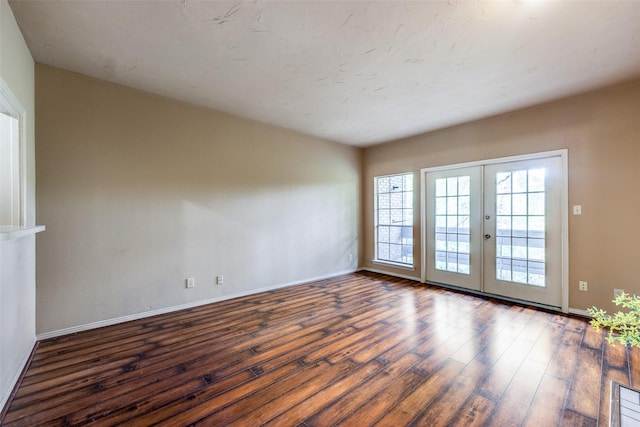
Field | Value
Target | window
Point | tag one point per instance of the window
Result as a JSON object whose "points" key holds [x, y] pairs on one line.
{"points": [[10, 160], [394, 219]]}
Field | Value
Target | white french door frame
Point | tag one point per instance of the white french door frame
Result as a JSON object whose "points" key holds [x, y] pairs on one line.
{"points": [[564, 211]]}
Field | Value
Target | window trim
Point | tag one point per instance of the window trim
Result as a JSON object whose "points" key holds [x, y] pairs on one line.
{"points": [[10, 103]]}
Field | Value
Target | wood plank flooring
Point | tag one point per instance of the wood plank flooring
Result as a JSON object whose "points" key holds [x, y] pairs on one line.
{"points": [[357, 350]]}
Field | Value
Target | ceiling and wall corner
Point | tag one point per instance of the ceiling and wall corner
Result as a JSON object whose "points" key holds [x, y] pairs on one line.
{"points": [[356, 72]]}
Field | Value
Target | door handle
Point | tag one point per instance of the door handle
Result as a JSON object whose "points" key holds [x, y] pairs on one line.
{"points": [[487, 236]]}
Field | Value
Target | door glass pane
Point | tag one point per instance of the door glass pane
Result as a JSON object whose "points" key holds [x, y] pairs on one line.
{"points": [[520, 226], [452, 231]]}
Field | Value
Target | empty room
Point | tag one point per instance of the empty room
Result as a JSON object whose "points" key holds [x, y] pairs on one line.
{"points": [[319, 213]]}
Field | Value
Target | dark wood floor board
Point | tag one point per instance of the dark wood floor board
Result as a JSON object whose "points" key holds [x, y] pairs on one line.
{"points": [[420, 397], [593, 339], [584, 394], [339, 409], [358, 349], [445, 407], [546, 346], [215, 396], [474, 413], [548, 403], [272, 401], [383, 401], [574, 419], [338, 345], [497, 380], [563, 364], [513, 407], [318, 396]]}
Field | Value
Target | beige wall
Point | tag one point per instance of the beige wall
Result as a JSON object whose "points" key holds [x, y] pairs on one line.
{"points": [[601, 131], [17, 257], [139, 192]]}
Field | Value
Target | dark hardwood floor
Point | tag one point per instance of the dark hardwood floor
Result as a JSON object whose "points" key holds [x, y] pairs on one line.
{"points": [[357, 350]]}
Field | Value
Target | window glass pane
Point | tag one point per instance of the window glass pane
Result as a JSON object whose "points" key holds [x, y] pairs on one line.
{"points": [[383, 201], [536, 204], [463, 263], [383, 251], [536, 227], [503, 204], [408, 200], [520, 181], [503, 182], [536, 249], [519, 248], [464, 205], [383, 234], [463, 225], [383, 185], [503, 226], [396, 200], [384, 216], [452, 205], [452, 224], [441, 223], [536, 179], [395, 253], [452, 186], [396, 216], [441, 206], [396, 183], [452, 243], [464, 185], [452, 262], [408, 182], [503, 269], [441, 187], [519, 226], [536, 273], [408, 216], [519, 204], [395, 235], [463, 243], [441, 260], [519, 271]]}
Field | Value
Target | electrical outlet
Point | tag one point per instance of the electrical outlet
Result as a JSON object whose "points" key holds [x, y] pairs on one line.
{"points": [[617, 292], [219, 279], [350, 257], [577, 210], [191, 282], [583, 286]]}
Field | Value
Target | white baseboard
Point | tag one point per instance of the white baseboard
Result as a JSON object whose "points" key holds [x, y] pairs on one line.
{"points": [[401, 276], [7, 393], [142, 315]]}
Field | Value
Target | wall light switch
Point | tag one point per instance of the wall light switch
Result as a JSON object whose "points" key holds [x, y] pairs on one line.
{"points": [[191, 282]]}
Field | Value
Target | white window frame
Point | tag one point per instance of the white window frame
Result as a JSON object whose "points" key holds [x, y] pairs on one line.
{"points": [[13, 167], [377, 259]]}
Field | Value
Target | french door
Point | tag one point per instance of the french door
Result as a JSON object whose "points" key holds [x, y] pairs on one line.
{"points": [[497, 228]]}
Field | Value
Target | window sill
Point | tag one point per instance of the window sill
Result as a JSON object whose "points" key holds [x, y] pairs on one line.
{"points": [[11, 232], [394, 264]]}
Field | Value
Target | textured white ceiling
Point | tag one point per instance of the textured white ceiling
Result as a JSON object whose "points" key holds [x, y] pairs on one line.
{"points": [[356, 72]]}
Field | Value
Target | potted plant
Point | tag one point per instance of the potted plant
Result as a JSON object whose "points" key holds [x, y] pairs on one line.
{"points": [[624, 326]]}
